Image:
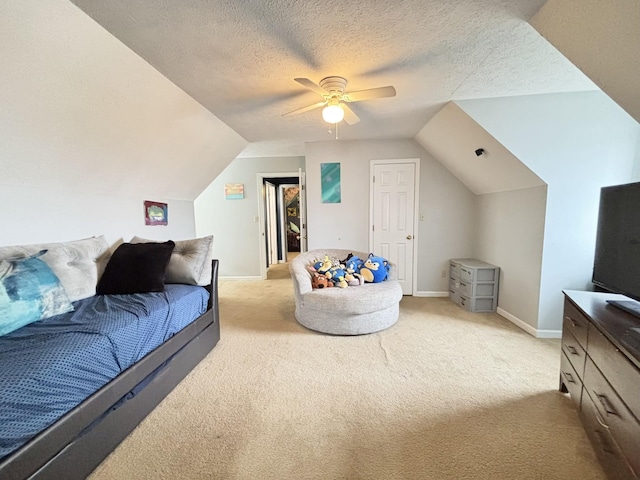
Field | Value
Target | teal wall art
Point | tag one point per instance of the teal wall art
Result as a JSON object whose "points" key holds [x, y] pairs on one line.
{"points": [[330, 182]]}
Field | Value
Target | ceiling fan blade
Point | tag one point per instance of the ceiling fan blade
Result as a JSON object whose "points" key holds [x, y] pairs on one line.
{"points": [[380, 92], [349, 115], [305, 109], [305, 82]]}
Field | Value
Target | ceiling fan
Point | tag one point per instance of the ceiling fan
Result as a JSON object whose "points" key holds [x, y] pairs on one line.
{"points": [[335, 99]]}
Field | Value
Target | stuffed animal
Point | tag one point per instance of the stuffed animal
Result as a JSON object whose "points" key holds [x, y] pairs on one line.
{"points": [[323, 266], [340, 282], [353, 264], [335, 272], [320, 281], [354, 279], [375, 269]]}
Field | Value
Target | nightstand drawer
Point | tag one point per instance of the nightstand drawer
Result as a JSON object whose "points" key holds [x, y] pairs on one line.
{"points": [[621, 374], [622, 424], [603, 443], [570, 379], [574, 352], [575, 322]]}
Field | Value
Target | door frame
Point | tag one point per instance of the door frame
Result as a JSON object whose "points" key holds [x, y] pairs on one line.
{"points": [[283, 216], [272, 233], [261, 215], [416, 210]]}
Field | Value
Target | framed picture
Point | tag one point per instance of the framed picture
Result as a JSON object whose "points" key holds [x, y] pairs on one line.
{"points": [[330, 182], [292, 212], [156, 213], [233, 191]]}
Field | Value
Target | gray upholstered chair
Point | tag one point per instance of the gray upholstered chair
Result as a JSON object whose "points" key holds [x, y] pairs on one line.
{"points": [[343, 311]]}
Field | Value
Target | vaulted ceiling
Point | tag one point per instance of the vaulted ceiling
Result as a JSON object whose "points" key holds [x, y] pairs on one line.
{"points": [[239, 59]]}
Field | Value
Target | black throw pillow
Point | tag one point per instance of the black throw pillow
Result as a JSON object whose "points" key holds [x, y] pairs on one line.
{"points": [[136, 268]]}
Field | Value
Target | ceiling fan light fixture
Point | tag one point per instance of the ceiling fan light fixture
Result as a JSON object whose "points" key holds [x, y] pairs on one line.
{"points": [[332, 114]]}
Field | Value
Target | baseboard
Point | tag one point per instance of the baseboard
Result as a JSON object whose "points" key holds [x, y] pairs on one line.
{"points": [[528, 328], [430, 294], [223, 277]]}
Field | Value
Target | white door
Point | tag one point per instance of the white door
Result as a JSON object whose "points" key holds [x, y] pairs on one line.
{"points": [[393, 216], [272, 224]]}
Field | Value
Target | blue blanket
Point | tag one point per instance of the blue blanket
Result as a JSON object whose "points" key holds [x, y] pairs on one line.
{"points": [[49, 367]]}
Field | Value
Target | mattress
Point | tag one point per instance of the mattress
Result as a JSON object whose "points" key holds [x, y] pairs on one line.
{"points": [[49, 367]]}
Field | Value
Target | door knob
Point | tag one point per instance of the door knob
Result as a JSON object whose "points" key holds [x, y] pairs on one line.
{"points": [[409, 237]]}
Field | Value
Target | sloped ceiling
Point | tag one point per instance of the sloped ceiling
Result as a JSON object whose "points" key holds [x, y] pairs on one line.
{"points": [[602, 39], [81, 112], [239, 58], [453, 137]]}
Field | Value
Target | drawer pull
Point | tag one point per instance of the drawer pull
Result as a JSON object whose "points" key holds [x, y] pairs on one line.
{"points": [[569, 377], [571, 348], [601, 422], [606, 405], [604, 442], [573, 322]]}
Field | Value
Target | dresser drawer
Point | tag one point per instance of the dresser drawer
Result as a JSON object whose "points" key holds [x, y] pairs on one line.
{"points": [[622, 424], [574, 352], [575, 322], [478, 274], [478, 304], [603, 443], [570, 379], [621, 374], [454, 296], [454, 285], [469, 289], [454, 270]]}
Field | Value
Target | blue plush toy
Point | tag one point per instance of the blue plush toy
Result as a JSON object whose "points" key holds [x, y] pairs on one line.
{"points": [[335, 272], [353, 264], [375, 269], [323, 266]]}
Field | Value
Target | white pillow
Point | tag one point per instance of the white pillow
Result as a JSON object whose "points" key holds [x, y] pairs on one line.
{"points": [[190, 261], [78, 264]]}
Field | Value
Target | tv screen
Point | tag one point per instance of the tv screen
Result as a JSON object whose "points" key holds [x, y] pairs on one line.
{"points": [[616, 265]]}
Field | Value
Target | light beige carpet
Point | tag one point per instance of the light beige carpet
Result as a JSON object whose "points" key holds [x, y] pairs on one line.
{"points": [[443, 394]]}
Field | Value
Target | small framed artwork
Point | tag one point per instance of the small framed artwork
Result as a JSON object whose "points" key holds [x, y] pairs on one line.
{"points": [[330, 182], [156, 213], [233, 191], [292, 212]]}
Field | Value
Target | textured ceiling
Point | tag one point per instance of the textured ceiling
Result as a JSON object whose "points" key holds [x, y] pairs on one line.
{"points": [[239, 58]]}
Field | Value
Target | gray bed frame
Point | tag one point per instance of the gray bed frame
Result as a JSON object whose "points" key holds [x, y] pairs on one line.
{"points": [[76, 444]]}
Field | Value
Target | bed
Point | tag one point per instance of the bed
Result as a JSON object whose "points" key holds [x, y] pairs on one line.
{"points": [[109, 363]]}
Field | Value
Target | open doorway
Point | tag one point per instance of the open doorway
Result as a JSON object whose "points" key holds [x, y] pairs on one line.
{"points": [[289, 195], [282, 220]]}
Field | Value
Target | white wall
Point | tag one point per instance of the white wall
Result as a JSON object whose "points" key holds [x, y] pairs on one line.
{"points": [[453, 137], [602, 39], [447, 205], [40, 215], [577, 143], [90, 130], [237, 238], [510, 233]]}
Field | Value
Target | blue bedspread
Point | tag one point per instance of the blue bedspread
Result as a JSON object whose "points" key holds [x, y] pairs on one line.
{"points": [[49, 367]]}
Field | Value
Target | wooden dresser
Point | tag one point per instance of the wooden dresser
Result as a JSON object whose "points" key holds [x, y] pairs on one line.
{"points": [[600, 369]]}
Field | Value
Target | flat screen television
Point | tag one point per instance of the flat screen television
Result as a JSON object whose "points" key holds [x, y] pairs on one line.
{"points": [[616, 265]]}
